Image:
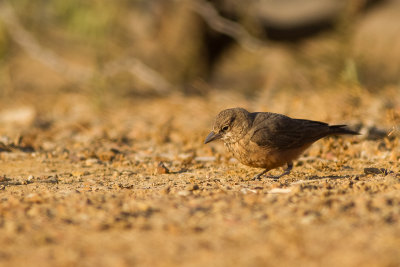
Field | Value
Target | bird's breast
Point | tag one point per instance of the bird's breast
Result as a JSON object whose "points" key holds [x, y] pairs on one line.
{"points": [[253, 155], [250, 154]]}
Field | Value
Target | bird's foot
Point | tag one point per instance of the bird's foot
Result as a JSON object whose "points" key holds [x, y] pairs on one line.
{"points": [[278, 176], [258, 176], [285, 172]]}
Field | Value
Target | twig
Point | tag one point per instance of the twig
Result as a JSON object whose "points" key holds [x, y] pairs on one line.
{"points": [[35, 50], [76, 73], [233, 29], [140, 70]]}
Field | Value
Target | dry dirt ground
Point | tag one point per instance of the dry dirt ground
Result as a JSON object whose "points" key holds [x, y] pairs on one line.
{"points": [[80, 184]]}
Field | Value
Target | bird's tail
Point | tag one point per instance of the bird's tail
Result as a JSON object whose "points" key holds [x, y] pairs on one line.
{"points": [[341, 129]]}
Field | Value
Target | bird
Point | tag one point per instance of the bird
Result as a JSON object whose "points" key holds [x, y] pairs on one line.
{"points": [[268, 140]]}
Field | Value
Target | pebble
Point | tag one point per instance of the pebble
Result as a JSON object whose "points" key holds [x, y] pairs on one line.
{"points": [[166, 190], [161, 169], [193, 187], [247, 190], [4, 179], [80, 173], [34, 198], [51, 180], [91, 161], [204, 159], [106, 155], [376, 171], [184, 193], [278, 190]]}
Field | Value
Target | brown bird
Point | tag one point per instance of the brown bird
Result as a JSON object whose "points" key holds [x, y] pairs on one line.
{"points": [[268, 140]]}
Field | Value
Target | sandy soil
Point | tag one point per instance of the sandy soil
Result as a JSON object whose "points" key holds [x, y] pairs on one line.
{"points": [[81, 186]]}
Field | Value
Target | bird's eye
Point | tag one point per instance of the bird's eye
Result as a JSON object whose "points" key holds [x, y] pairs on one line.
{"points": [[225, 128]]}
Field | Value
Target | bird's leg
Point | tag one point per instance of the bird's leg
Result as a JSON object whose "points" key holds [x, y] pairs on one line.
{"points": [[259, 175], [285, 172]]}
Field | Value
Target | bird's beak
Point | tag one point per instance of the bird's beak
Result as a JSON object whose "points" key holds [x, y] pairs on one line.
{"points": [[211, 137]]}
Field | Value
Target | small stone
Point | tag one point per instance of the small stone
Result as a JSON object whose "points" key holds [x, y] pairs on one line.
{"points": [[161, 169], [30, 179], [79, 173], [166, 190], [375, 171], [34, 198], [193, 187], [184, 193], [106, 155], [278, 190], [4, 179], [247, 190], [187, 157], [51, 180], [233, 160], [91, 161], [205, 159]]}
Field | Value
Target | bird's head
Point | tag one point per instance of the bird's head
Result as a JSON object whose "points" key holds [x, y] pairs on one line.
{"points": [[230, 125]]}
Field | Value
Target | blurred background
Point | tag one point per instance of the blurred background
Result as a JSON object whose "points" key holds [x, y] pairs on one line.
{"points": [[111, 51], [95, 94], [194, 47]]}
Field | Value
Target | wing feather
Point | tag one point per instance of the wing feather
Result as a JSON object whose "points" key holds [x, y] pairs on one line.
{"points": [[279, 131]]}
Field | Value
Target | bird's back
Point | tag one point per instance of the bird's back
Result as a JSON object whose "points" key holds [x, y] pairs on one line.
{"points": [[282, 132]]}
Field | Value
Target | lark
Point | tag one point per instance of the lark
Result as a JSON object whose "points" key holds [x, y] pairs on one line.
{"points": [[268, 140]]}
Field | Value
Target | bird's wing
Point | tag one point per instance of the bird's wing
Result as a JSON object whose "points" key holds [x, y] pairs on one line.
{"points": [[279, 131]]}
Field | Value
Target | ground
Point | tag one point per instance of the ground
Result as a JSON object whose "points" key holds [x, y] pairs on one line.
{"points": [[131, 183], [104, 108]]}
